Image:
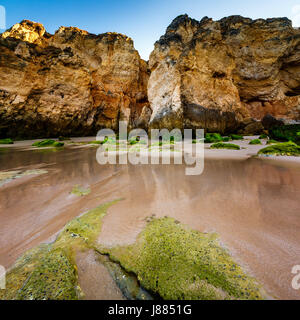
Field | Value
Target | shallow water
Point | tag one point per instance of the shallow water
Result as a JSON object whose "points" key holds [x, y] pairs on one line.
{"points": [[254, 205]]}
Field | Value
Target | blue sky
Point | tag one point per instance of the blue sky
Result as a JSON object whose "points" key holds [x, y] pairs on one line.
{"points": [[144, 21]]}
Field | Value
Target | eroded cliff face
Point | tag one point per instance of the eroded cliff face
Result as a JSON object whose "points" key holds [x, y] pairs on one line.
{"points": [[220, 75], [70, 83]]}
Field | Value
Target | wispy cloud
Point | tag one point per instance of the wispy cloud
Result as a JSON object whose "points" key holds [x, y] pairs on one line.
{"points": [[296, 15]]}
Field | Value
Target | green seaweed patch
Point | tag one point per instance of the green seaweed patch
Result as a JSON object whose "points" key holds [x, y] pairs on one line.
{"points": [[80, 191], [255, 141], [271, 141], [48, 143], [6, 141], [236, 137], [226, 139], [43, 273], [286, 133], [179, 263], [84, 230], [7, 176], [54, 278], [213, 137], [281, 149], [49, 272], [229, 146]]}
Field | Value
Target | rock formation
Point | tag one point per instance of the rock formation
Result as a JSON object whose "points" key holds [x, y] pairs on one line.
{"points": [[69, 83], [223, 75]]}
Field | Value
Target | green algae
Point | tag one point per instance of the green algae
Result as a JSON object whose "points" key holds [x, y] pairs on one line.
{"points": [[96, 142], [42, 273], [54, 278], [83, 231], [236, 137], [6, 141], [213, 137], [80, 191], [271, 141], [229, 146], [8, 176], [286, 133], [48, 143], [226, 139], [281, 149], [48, 272], [255, 141], [168, 259], [178, 263]]}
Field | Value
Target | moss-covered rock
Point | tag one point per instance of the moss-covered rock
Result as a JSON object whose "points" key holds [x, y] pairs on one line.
{"points": [[286, 133], [226, 139], [49, 271], [236, 137], [177, 263], [281, 149], [168, 259], [229, 146], [213, 137], [6, 141], [271, 141], [43, 273], [7, 176], [48, 143], [255, 141]]}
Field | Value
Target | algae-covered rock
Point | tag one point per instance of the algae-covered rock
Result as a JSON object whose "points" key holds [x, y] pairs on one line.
{"points": [[236, 137], [213, 137], [7, 176], [48, 143], [43, 273], [48, 272], [286, 133], [6, 141], [271, 141], [255, 141], [176, 262], [281, 149], [229, 146], [54, 278]]}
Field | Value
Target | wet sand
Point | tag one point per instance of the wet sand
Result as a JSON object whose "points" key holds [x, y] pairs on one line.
{"points": [[94, 278], [253, 204]]}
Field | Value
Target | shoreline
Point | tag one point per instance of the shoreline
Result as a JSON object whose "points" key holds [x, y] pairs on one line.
{"points": [[246, 152]]}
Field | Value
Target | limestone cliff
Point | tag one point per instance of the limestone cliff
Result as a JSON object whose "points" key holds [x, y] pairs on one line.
{"points": [[69, 83], [220, 75]]}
